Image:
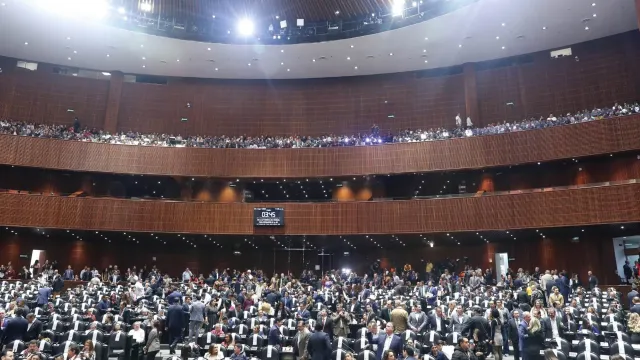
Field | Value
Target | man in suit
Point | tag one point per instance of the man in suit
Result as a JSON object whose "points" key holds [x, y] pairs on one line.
{"points": [[523, 331], [385, 313], [477, 321], [552, 325], [512, 329], [16, 328], [354, 307], [417, 319], [458, 319], [438, 323], [389, 341], [197, 315], [635, 308], [175, 325], [593, 280], [302, 313], [274, 337], [44, 293], [34, 328], [341, 320], [319, 345], [409, 353], [300, 342]]}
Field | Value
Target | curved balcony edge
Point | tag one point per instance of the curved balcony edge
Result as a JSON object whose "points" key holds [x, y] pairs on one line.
{"points": [[558, 208], [561, 142]]}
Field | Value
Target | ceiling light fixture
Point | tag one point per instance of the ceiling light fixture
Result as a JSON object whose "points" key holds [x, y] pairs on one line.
{"points": [[544, 28], [216, 69], [497, 37], [352, 46], [355, 67], [121, 10], [69, 58], [348, 58], [503, 24], [586, 28], [503, 47], [245, 27], [26, 43], [288, 69], [209, 49]]}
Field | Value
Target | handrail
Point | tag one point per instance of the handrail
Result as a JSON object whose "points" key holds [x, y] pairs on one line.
{"points": [[434, 197]]}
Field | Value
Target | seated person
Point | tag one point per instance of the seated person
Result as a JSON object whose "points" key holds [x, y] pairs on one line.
{"points": [[217, 330], [257, 331], [137, 333], [32, 351], [586, 325], [214, 353]]}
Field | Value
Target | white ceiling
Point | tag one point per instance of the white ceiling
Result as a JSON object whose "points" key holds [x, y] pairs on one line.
{"points": [[475, 27]]}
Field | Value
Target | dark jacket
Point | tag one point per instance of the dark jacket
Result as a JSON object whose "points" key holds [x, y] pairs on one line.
{"points": [[274, 336], [476, 322], [15, 329], [395, 346], [319, 346], [548, 330], [459, 354], [34, 331], [175, 317]]}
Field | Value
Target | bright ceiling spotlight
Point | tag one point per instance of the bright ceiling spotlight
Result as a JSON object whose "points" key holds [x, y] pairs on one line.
{"points": [[121, 10], [398, 7], [245, 27], [95, 9], [145, 6]]}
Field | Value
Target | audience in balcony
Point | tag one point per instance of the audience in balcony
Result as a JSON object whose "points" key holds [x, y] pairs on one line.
{"points": [[75, 132]]}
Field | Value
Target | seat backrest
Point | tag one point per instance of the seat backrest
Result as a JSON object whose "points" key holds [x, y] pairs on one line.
{"points": [[16, 346], [621, 348], [589, 346], [366, 355], [338, 354]]}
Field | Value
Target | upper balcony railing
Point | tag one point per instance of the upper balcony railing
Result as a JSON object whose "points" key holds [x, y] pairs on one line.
{"points": [[559, 142]]}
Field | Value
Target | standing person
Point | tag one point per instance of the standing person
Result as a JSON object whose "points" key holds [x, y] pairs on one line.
{"points": [[458, 121], [628, 273], [274, 337], [534, 342], [300, 342], [512, 328], [153, 341], [319, 346], [341, 320], [16, 328], [44, 293], [496, 333], [523, 331], [462, 350], [593, 281], [175, 325], [197, 316], [389, 341], [399, 318]]}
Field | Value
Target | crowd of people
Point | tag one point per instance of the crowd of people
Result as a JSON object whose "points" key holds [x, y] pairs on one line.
{"points": [[402, 313], [373, 137]]}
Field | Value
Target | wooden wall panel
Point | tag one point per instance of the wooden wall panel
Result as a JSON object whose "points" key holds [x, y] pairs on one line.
{"points": [[43, 98], [342, 106], [597, 255], [565, 142], [599, 205]]}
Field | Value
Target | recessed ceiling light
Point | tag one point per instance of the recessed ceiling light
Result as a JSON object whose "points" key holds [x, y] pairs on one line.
{"points": [[460, 45], [426, 38], [26, 43], [586, 28], [144, 58], [288, 69], [209, 49], [277, 17], [107, 55], [503, 24], [216, 69], [69, 58], [249, 64], [281, 63], [75, 52], [426, 61], [594, 4], [390, 54], [497, 37], [68, 38], [337, 12], [2, 4], [595, 15], [314, 60], [348, 58], [503, 48], [424, 51], [281, 50], [544, 28], [141, 46], [178, 60], [355, 67], [143, 66], [352, 46]]}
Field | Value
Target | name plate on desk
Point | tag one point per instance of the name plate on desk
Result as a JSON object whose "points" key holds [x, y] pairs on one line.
{"points": [[575, 342], [573, 354]]}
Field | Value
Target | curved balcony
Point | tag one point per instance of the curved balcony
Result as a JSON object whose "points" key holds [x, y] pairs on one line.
{"points": [[562, 142], [589, 205]]}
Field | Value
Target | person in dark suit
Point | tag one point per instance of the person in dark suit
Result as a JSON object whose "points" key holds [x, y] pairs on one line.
{"points": [[385, 313], [33, 329], [550, 330], [512, 330], [479, 322], [633, 293], [175, 325], [635, 308], [593, 281], [16, 329], [300, 341], [438, 323], [389, 341], [327, 324], [274, 337], [319, 345], [44, 293], [523, 332]]}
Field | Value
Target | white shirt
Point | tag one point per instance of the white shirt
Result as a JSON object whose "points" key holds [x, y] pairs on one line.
{"points": [[138, 335], [554, 328], [387, 343]]}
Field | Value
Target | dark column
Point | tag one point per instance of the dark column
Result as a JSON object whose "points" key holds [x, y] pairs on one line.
{"points": [[471, 94], [113, 102], [638, 12]]}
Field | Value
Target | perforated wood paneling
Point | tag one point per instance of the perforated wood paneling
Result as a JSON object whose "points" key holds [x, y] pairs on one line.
{"points": [[597, 137], [602, 205]]}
